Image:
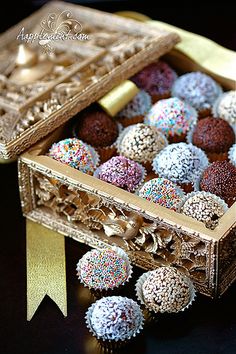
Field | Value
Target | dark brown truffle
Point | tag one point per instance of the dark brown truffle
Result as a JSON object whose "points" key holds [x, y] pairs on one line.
{"points": [[157, 79], [97, 129], [213, 135], [220, 179]]}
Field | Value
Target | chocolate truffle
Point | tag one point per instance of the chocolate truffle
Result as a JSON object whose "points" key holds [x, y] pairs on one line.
{"points": [[76, 154], [181, 163], [141, 142], [225, 107], [135, 110], [162, 191], [121, 172], [172, 117], [220, 179], [204, 207], [215, 136], [198, 89], [104, 269], [115, 318], [96, 128], [166, 289], [157, 79]]}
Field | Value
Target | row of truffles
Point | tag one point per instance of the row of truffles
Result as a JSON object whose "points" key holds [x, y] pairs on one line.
{"points": [[181, 140], [116, 319]]}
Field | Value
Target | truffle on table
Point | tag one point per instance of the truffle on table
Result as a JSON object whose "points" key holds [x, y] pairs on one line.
{"points": [[104, 269], [165, 289], [115, 319]]}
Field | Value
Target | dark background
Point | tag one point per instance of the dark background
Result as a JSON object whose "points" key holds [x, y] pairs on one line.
{"points": [[208, 327]]}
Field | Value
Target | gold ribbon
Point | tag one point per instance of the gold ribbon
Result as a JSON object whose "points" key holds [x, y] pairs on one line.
{"points": [[197, 52], [116, 99], [46, 270]]}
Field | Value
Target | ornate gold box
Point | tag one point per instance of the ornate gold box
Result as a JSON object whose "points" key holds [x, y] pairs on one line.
{"points": [[76, 72], [81, 206], [99, 214]]}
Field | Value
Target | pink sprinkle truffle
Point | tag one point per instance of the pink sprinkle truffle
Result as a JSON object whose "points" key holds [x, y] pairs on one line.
{"points": [[121, 172]]}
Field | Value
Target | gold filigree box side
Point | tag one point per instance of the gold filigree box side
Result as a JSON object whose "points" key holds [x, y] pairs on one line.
{"points": [[117, 49], [100, 214]]}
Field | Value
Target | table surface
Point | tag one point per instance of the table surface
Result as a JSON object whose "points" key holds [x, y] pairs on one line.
{"points": [[207, 327]]}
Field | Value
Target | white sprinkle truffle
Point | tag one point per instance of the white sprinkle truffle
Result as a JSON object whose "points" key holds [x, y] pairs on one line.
{"points": [[167, 290], [141, 142], [198, 89], [115, 318], [204, 207], [225, 107], [180, 163]]}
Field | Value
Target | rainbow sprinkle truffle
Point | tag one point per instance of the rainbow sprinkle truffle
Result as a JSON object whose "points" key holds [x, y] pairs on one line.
{"points": [[198, 89], [162, 191], [76, 154], [172, 117], [180, 163], [121, 172], [102, 270]]}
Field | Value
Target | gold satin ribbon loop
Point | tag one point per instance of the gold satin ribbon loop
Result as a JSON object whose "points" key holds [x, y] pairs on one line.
{"points": [[211, 56], [46, 270], [115, 100], [196, 52]]}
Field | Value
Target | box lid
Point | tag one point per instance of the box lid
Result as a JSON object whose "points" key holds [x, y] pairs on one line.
{"points": [[61, 59]]}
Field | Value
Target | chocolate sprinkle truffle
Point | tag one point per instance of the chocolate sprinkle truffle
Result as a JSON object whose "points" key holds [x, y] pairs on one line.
{"points": [[96, 128], [181, 163], [204, 207], [141, 142], [220, 179], [225, 107], [172, 117], [198, 89], [162, 191], [115, 318], [167, 290], [215, 136], [157, 79], [102, 269], [76, 154], [121, 172]]}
